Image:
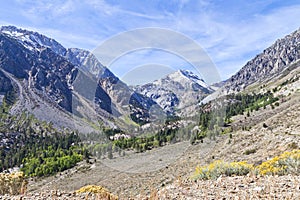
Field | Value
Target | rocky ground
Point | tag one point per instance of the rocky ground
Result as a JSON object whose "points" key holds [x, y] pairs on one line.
{"points": [[58, 195], [240, 187], [269, 187], [164, 173], [141, 174]]}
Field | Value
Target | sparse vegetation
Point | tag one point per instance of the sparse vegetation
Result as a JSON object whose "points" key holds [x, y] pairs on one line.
{"points": [[250, 151], [12, 183], [293, 145], [102, 193], [216, 115], [218, 168], [35, 146], [286, 163]]}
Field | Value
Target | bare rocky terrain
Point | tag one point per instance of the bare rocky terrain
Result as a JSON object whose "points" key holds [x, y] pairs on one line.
{"points": [[270, 187], [149, 171], [164, 173]]}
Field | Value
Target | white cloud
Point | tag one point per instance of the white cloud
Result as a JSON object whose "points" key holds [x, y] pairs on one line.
{"points": [[233, 43], [165, 40], [230, 33]]}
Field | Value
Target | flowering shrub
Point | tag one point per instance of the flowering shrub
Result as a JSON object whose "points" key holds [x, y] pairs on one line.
{"points": [[218, 168], [286, 163], [102, 192], [13, 183]]}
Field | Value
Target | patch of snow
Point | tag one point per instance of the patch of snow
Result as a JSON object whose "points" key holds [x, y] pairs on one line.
{"points": [[193, 77], [13, 33], [33, 40]]}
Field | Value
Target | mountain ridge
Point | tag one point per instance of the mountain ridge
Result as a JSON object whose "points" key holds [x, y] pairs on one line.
{"points": [[177, 91], [52, 70], [268, 64]]}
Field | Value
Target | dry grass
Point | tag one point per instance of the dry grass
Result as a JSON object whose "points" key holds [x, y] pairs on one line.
{"points": [[101, 192], [12, 183]]}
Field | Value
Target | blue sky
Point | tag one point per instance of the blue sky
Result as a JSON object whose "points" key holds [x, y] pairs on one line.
{"points": [[231, 32]]}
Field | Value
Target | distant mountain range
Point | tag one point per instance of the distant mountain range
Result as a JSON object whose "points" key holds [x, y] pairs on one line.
{"points": [[52, 79], [71, 83], [68, 79]]}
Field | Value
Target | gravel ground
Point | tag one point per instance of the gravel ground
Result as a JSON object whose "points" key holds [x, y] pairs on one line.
{"points": [[51, 195], [240, 187]]}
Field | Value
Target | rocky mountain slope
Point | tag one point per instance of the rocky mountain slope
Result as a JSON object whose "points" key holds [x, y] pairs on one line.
{"points": [[123, 100], [275, 61], [70, 79], [177, 93], [44, 70], [264, 133], [87, 82], [268, 64]]}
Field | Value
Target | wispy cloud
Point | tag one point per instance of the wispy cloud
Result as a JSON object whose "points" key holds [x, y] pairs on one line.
{"points": [[239, 43], [231, 33]]}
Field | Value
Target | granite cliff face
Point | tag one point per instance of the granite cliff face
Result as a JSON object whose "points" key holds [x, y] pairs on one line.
{"points": [[123, 99], [5, 86]]}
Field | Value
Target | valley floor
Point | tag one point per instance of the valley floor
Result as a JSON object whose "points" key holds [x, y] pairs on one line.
{"points": [[164, 173], [141, 174]]}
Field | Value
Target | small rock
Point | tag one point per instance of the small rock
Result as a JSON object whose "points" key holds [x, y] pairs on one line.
{"points": [[258, 189]]}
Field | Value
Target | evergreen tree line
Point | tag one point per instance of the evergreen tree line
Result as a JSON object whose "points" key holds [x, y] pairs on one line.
{"points": [[213, 118], [36, 147], [217, 114], [167, 135], [143, 143]]}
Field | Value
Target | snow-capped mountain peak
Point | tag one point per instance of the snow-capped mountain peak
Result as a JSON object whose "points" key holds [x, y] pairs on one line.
{"points": [[176, 91], [33, 40], [88, 62], [184, 77], [193, 77]]}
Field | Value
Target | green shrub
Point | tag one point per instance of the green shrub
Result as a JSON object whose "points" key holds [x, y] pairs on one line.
{"points": [[250, 151], [293, 145]]}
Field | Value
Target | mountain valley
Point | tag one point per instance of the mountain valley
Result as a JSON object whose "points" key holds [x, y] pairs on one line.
{"points": [[145, 142]]}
